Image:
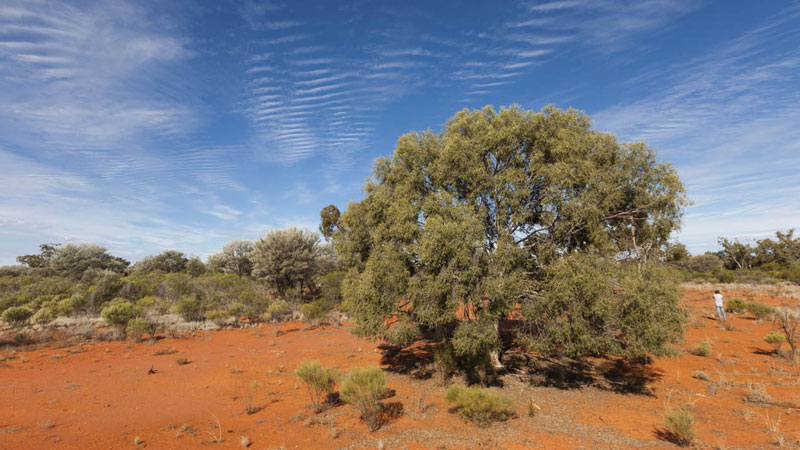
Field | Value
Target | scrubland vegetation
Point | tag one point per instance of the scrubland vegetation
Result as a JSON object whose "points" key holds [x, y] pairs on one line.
{"points": [[510, 214]]}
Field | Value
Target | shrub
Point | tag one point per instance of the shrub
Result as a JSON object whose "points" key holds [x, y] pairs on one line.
{"points": [[313, 311], [17, 315], [760, 310], [757, 394], [364, 388], [43, 316], [237, 309], [191, 308], [119, 312], [776, 339], [736, 305], [680, 426], [218, 316], [700, 375], [147, 302], [702, 349], [279, 309], [139, 328], [479, 405], [319, 381], [402, 333], [788, 321]]}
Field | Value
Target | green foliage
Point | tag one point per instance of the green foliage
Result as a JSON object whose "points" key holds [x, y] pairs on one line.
{"points": [[118, 312], [444, 363], [279, 310], [736, 305], [17, 315], [702, 349], [760, 310], [775, 338], [139, 328], [473, 342], [319, 381], [315, 310], [680, 426], [43, 316], [73, 260], [218, 316], [479, 405], [590, 305], [195, 267], [105, 288], [148, 302], [403, 334], [364, 389], [471, 219], [234, 258], [170, 261], [329, 218], [192, 309], [285, 258], [707, 262]]}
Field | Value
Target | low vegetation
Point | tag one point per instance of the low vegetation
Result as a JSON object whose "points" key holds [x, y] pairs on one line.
{"points": [[480, 405], [364, 389], [680, 426], [320, 381], [702, 349]]}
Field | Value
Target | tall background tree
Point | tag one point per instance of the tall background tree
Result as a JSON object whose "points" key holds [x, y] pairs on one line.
{"points": [[459, 227], [234, 258], [285, 258]]}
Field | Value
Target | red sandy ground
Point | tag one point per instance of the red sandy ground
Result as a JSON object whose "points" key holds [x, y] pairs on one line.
{"points": [[100, 395]]}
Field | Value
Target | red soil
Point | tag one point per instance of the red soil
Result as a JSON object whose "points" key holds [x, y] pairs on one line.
{"points": [[100, 395]]}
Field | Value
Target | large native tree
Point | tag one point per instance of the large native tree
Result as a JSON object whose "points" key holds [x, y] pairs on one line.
{"points": [[458, 228]]}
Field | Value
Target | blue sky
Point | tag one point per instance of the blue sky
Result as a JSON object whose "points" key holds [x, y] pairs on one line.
{"points": [[145, 126]]}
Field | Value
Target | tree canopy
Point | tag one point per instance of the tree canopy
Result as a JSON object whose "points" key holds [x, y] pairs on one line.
{"points": [[464, 224], [285, 258]]}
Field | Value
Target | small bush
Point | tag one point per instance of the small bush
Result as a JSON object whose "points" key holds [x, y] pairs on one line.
{"points": [[191, 308], [319, 381], [43, 316], [680, 426], [479, 405], [702, 349], [736, 305], [402, 334], [17, 315], [314, 311], [756, 394], [364, 388], [147, 302], [119, 312], [760, 310], [278, 310], [776, 339], [218, 316], [140, 328], [182, 361], [700, 375]]}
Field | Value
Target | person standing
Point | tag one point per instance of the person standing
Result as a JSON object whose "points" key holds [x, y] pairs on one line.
{"points": [[720, 306]]}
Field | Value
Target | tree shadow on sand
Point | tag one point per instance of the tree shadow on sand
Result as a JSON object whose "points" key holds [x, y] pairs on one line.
{"points": [[616, 375]]}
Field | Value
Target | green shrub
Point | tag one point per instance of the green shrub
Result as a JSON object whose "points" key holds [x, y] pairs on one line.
{"points": [[364, 389], [319, 381], [402, 333], [760, 310], [17, 315], [479, 405], [43, 316], [139, 328], [702, 349], [147, 302], [680, 426], [736, 305], [119, 312], [444, 363], [237, 309], [191, 308], [279, 309], [218, 316], [314, 311], [776, 339]]}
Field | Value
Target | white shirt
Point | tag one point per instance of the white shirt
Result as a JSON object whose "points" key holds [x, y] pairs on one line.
{"points": [[718, 299]]}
